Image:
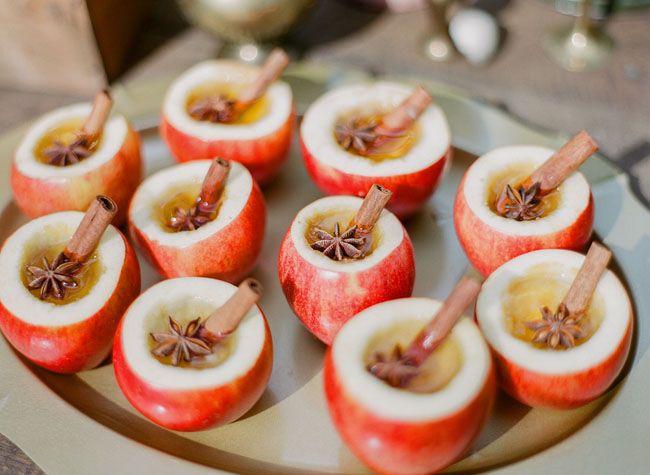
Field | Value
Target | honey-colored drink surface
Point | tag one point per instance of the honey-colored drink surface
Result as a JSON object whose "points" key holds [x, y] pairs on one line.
{"points": [[66, 133], [230, 90], [86, 278], [345, 218], [514, 175], [184, 312], [437, 370], [543, 285], [182, 196], [391, 147]]}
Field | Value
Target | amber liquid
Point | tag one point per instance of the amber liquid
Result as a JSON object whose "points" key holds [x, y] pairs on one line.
{"points": [[436, 371], [514, 175], [543, 286], [66, 132], [86, 278], [220, 351], [327, 222], [230, 90], [391, 147], [181, 197]]}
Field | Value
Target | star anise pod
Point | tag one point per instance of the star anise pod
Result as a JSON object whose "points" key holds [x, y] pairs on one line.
{"points": [[182, 345], [217, 109], [557, 328], [53, 278], [396, 370], [356, 135], [62, 155], [523, 203], [190, 219], [339, 245]]}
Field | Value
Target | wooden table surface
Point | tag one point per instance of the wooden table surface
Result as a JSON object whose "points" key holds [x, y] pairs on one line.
{"points": [[613, 104]]}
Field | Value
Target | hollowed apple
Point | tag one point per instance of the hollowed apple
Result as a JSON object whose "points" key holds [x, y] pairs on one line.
{"points": [[542, 376], [77, 333], [490, 239], [260, 141], [113, 169], [325, 293], [225, 385], [412, 171], [408, 431], [226, 248]]}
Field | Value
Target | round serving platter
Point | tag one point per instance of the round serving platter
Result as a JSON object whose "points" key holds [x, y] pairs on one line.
{"points": [[83, 423]]}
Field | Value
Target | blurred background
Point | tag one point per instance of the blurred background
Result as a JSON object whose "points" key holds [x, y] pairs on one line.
{"points": [[559, 64]]}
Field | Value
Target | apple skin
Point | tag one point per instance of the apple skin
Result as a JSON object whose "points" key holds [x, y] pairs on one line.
{"points": [[230, 254], [263, 156], [118, 178], [83, 345], [487, 248], [405, 448], [410, 191], [324, 300], [562, 391], [195, 409]]}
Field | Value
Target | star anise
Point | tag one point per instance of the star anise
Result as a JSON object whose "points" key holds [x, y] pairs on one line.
{"points": [[53, 278], [182, 345], [523, 203], [557, 328], [395, 369], [190, 219], [339, 245], [357, 135], [62, 155], [217, 109]]}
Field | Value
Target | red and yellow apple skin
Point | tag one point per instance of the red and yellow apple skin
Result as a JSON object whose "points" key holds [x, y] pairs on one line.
{"points": [[562, 391], [263, 156], [410, 191], [194, 409], [229, 254], [79, 346], [324, 297], [117, 178]]}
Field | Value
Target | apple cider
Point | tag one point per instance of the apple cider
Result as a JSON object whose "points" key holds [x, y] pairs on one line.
{"points": [[183, 197], [390, 147], [513, 175], [184, 313], [66, 133], [543, 286], [85, 278], [436, 371], [230, 90], [327, 222]]}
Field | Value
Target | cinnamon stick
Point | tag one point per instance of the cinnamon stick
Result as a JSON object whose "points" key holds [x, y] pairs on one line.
{"points": [[99, 215], [371, 208], [432, 335], [223, 321], [402, 117], [213, 183], [270, 71], [583, 286], [558, 167], [94, 123]]}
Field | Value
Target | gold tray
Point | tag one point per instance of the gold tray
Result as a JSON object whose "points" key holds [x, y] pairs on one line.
{"points": [[83, 423]]}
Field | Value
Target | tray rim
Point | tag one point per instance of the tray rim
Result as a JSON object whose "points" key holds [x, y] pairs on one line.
{"points": [[150, 458]]}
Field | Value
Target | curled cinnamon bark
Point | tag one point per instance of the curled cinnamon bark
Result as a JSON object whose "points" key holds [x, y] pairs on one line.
{"points": [[99, 215], [95, 122], [371, 208], [270, 71]]}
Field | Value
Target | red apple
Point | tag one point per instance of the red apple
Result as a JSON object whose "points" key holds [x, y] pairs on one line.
{"points": [[181, 398], [325, 293], [262, 146], [412, 178], [394, 430], [546, 377], [490, 239], [74, 336], [114, 169], [226, 248]]}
